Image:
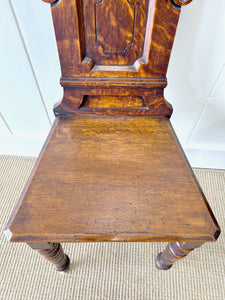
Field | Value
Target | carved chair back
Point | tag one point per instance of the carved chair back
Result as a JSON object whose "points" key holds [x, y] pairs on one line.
{"points": [[114, 55]]}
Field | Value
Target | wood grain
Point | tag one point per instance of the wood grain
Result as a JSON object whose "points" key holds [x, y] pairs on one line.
{"points": [[112, 179], [74, 96], [112, 168], [119, 34], [114, 32], [74, 33], [119, 41]]}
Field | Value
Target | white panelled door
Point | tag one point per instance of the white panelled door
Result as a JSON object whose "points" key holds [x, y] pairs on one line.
{"points": [[29, 78], [196, 83]]}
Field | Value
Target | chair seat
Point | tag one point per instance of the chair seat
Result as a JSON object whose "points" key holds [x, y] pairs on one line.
{"points": [[112, 179]]}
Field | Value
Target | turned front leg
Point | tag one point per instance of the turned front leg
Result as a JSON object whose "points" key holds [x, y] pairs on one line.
{"points": [[54, 253], [173, 252]]}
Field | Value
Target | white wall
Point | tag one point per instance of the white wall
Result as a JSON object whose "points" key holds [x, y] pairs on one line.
{"points": [[196, 79], [30, 72]]}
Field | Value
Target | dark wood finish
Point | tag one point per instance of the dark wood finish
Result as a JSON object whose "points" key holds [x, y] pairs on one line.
{"points": [[112, 168], [112, 179], [173, 252], [126, 56], [53, 252], [82, 55]]}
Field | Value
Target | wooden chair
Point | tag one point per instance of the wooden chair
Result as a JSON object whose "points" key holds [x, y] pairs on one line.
{"points": [[112, 168]]}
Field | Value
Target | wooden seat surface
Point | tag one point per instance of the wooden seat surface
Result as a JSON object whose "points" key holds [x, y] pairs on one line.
{"points": [[112, 179]]}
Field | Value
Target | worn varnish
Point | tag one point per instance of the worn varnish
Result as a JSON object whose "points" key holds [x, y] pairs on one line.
{"points": [[113, 179], [112, 168]]}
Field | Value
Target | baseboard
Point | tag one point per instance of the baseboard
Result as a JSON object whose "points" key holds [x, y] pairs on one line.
{"points": [[212, 159], [29, 146]]}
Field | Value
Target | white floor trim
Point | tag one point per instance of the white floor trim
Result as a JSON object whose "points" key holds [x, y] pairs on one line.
{"points": [[212, 159]]}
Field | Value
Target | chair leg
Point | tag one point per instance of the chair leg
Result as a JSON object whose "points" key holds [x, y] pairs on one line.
{"points": [[54, 253], [173, 252]]}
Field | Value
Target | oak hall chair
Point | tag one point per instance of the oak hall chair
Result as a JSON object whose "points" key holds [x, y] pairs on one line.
{"points": [[112, 168]]}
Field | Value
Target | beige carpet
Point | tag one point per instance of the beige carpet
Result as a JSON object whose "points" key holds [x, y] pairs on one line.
{"points": [[109, 270]]}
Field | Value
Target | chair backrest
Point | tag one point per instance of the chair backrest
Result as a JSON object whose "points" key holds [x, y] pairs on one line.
{"points": [[114, 54]]}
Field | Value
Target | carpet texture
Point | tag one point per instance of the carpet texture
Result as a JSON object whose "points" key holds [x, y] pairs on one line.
{"points": [[109, 270]]}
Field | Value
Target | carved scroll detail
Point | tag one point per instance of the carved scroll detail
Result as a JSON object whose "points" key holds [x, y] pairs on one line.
{"points": [[118, 35], [52, 2], [49, 1], [181, 2]]}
